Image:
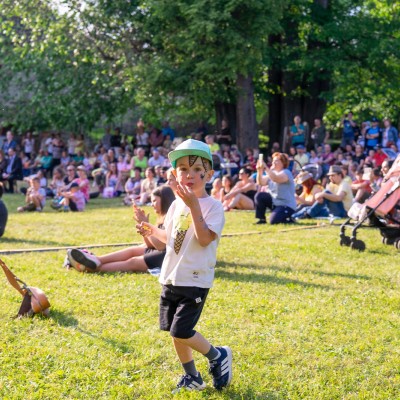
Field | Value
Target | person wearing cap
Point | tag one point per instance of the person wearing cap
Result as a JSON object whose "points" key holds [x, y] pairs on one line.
{"points": [[193, 227], [310, 187], [301, 158], [74, 199], [335, 200], [35, 198], [373, 134]]}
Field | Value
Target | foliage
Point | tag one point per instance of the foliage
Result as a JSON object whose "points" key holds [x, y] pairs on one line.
{"points": [[306, 318]]}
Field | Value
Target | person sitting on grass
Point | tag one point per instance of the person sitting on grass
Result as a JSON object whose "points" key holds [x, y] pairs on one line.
{"points": [[35, 197], [310, 187], [141, 258], [147, 186], [280, 198], [334, 201], [242, 194], [74, 199]]}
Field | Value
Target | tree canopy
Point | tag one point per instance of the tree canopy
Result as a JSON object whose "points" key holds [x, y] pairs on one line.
{"points": [[185, 58]]}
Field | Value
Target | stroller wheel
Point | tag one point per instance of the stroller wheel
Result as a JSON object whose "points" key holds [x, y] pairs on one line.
{"points": [[357, 245], [345, 241], [388, 241]]}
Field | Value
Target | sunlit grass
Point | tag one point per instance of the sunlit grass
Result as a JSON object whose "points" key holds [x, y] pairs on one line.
{"points": [[306, 318]]}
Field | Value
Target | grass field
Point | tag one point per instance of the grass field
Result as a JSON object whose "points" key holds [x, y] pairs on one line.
{"points": [[305, 318]]}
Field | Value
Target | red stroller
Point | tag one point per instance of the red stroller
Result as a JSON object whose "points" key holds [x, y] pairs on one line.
{"points": [[382, 210]]}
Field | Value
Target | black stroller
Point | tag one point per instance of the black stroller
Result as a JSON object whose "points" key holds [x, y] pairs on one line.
{"points": [[382, 211]]}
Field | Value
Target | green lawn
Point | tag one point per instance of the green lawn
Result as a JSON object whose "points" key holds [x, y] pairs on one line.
{"points": [[306, 318]]}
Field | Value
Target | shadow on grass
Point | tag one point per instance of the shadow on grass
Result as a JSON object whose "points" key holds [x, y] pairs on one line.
{"points": [[63, 319], [321, 273], [289, 269], [67, 320], [231, 394], [261, 278]]}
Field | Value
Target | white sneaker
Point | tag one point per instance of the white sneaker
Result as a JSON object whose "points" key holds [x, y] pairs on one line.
{"points": [[82, 260]]}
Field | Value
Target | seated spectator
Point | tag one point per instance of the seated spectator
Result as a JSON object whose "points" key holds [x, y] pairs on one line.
{"points": [[301, 158], [3, 163], [314, 158], [361, 186], [359, 156], [376, 179], [227, 185], [335, 200], [132, 187], [161, 173], [35, 198], [3, 212], [310, 187], [143, 258], [65, 159], [280, 198], [156, 159], [57, 182], [214, 147], [13, 171], [171, 180], [328, 158], [111, 189], [124, 169], [167, 144], [147, 186], [83, 182], [216, 189], [74, 199], [45, 162], [242, 194], [250, 161], [139, 160], [379, 156]]}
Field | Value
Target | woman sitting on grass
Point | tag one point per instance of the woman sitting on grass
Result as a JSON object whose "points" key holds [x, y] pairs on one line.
{"points": [[242, 194], [141, 258]]}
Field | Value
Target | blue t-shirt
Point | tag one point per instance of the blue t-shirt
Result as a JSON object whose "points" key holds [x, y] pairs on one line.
{"points": [[298, 139], [373, 131], [348, 130]]}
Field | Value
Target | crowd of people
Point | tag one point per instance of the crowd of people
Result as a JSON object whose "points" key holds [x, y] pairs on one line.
{"points": [[309, 180]]}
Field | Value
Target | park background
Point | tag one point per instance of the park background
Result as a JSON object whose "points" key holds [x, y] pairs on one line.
{"points": [[306, 318], [72, 65]]}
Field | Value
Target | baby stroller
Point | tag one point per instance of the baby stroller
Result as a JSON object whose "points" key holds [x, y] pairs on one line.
{"points": [[314, 169], [382, 210]]}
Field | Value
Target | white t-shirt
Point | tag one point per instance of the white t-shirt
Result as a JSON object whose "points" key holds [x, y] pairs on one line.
{"points": [[186, 262]]}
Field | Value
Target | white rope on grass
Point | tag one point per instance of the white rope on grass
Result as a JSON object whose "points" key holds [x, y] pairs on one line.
{"points": [[94, 246]]}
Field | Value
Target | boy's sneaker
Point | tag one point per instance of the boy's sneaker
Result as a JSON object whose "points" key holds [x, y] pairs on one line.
{"points": [[190, 382], [81, 260], [221, 368]]}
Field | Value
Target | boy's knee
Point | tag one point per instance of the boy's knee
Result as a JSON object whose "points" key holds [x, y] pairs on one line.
{"points": [[179, 333]]}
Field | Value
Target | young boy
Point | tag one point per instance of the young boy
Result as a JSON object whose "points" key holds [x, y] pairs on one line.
{"points": [[193, 226], [35, 198]]}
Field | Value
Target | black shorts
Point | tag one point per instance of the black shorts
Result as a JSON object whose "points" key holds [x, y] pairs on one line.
{"points": [[180, 309], [153, 258]]}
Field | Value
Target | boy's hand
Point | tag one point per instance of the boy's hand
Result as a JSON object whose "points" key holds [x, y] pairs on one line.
{"points": [[187, 195], [145, 229]]}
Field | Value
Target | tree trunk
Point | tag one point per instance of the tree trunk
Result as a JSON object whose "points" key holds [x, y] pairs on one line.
{"points": [[247, 134]]}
